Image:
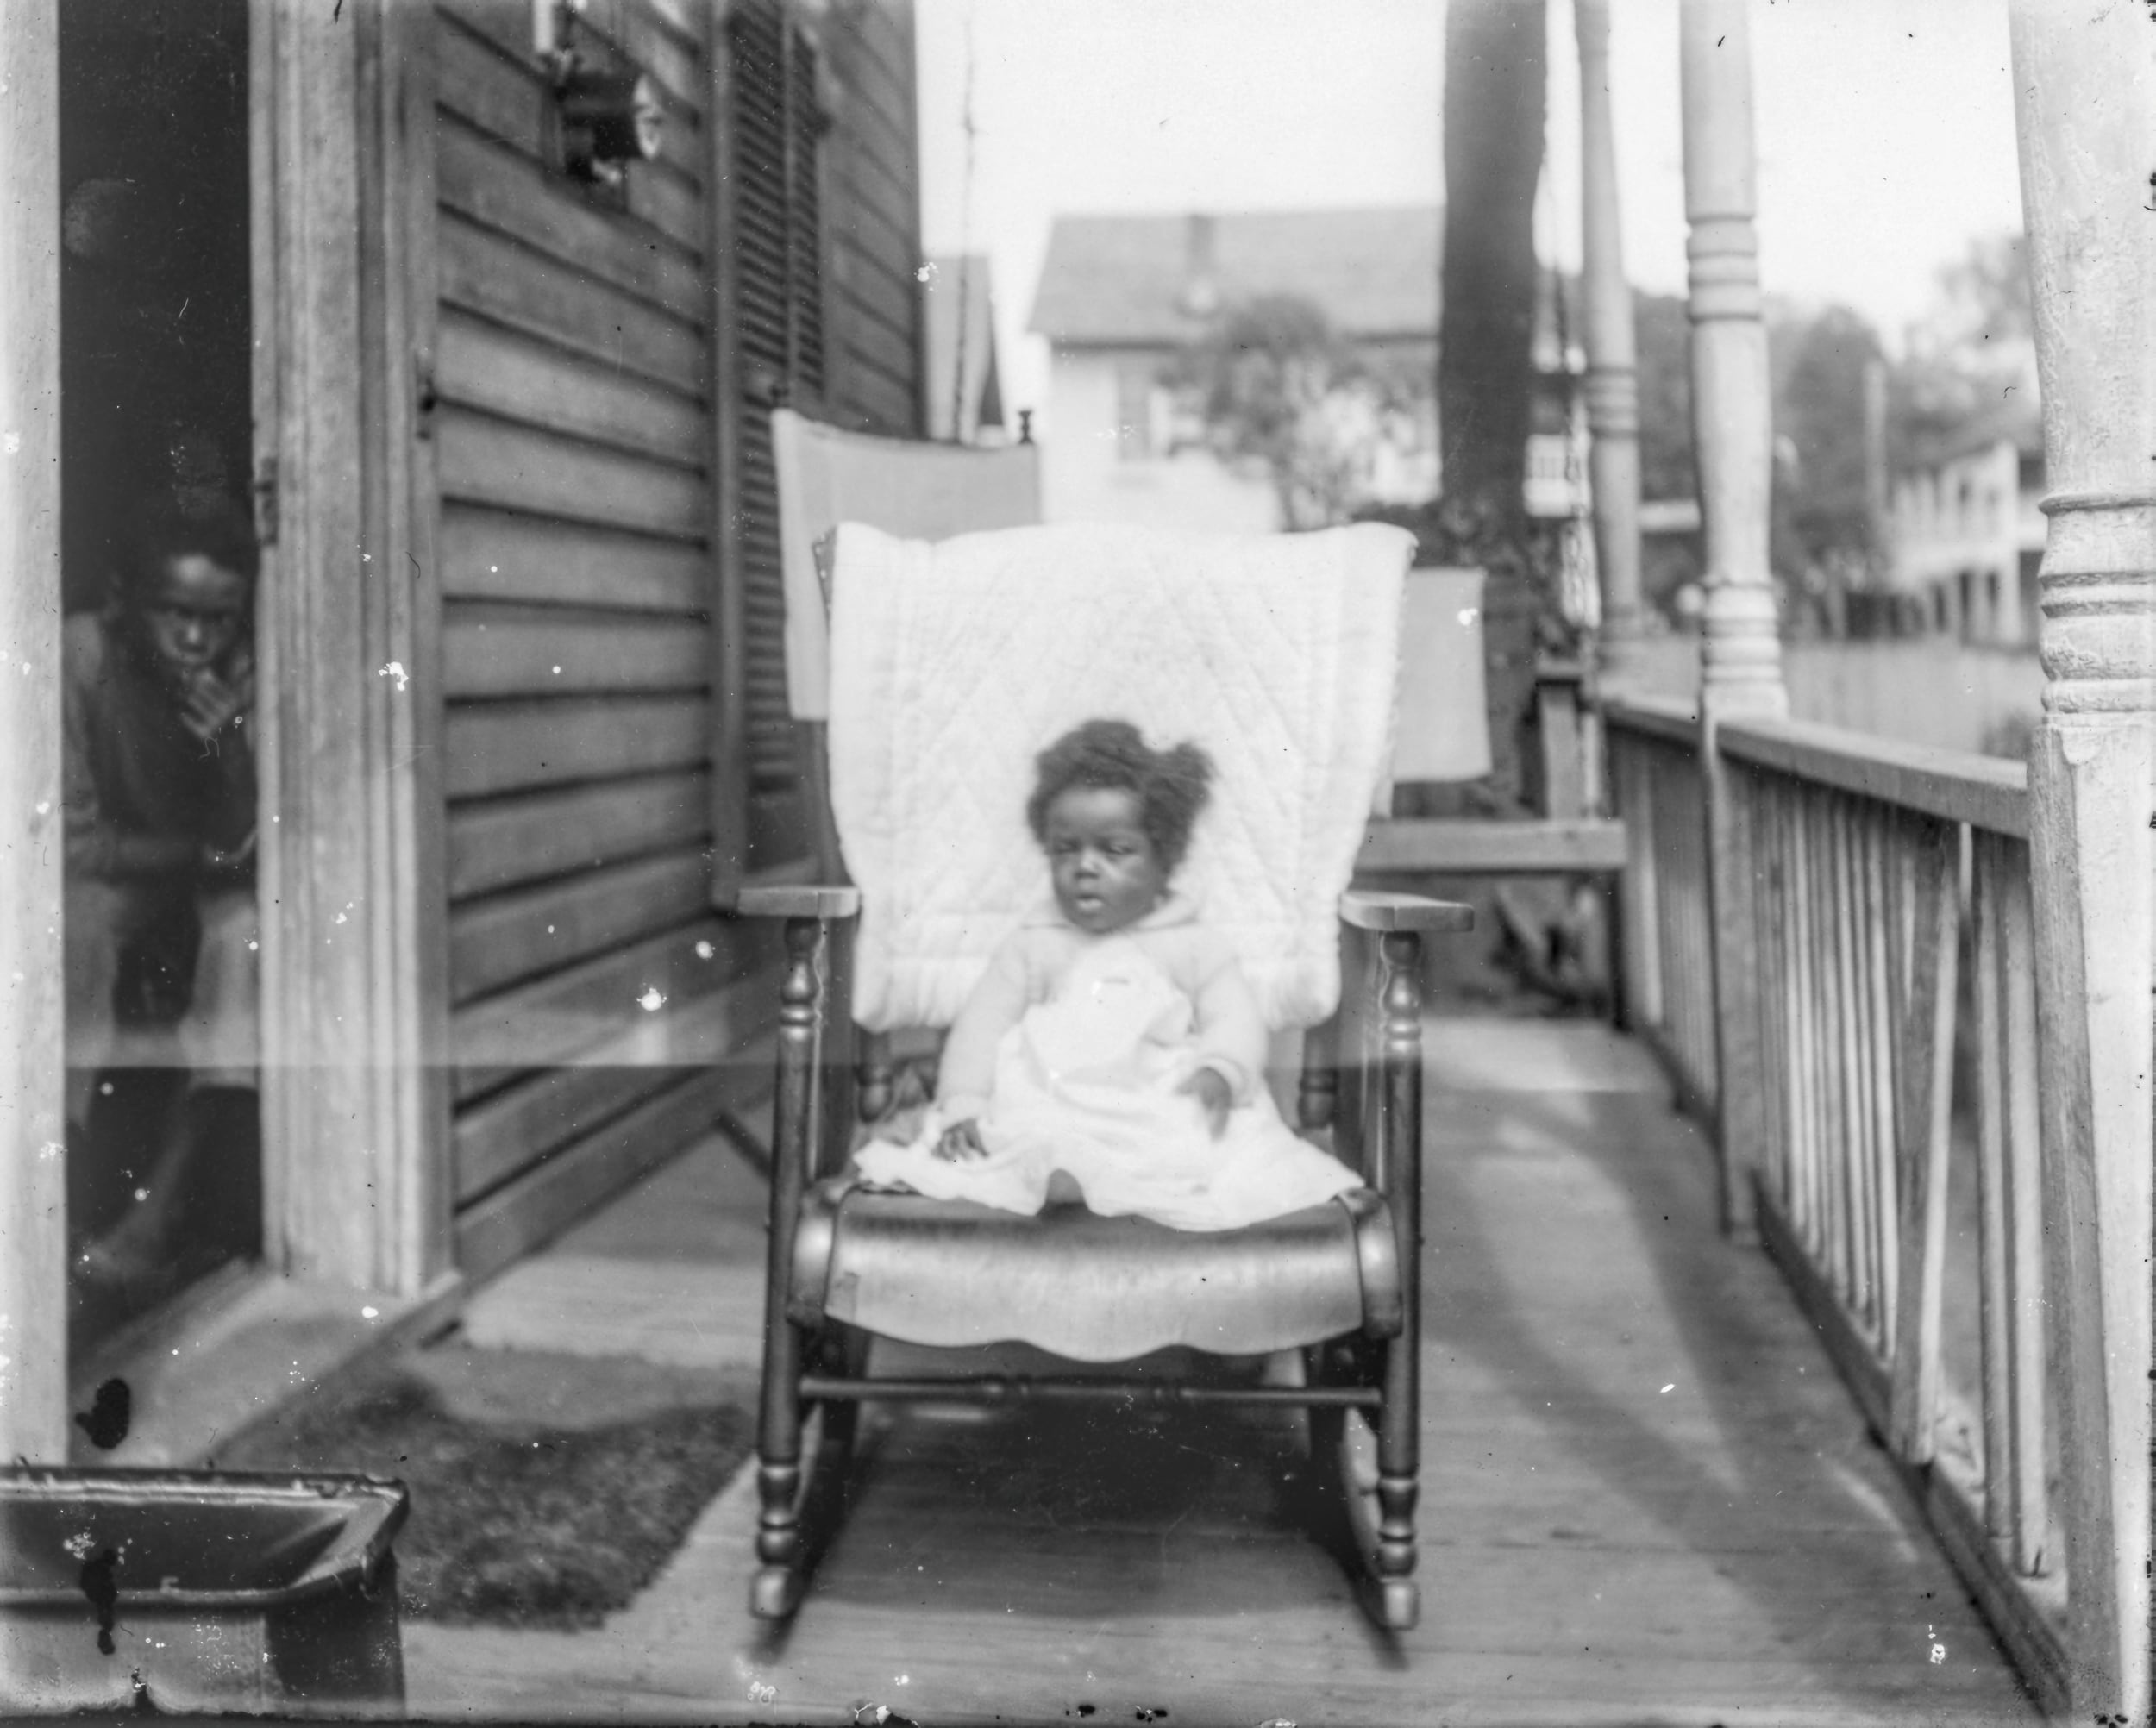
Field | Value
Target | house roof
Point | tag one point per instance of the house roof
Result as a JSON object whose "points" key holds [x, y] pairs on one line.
{"points": [[952, 279], [1127, 280]]}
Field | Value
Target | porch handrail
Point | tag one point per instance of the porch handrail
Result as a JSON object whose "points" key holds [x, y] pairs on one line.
{"points": [[1665, 989], [1986, 792], [1878, 871], [1659, 717]]}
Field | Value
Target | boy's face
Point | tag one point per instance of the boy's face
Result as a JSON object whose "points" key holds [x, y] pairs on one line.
{"points": [[1106, 873], [192, 612]]}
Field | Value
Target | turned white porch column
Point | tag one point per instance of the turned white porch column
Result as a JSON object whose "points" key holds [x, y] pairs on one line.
{"points": [[2086, 98], [1731, 411], [33, 1165], [1733, 437], [1613, 384]]}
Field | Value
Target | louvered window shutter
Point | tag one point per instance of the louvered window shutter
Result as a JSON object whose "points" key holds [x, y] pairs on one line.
{"points": [[778, 257]]}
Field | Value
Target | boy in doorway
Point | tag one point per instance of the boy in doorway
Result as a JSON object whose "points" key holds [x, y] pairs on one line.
{"points": [[159, 786]]}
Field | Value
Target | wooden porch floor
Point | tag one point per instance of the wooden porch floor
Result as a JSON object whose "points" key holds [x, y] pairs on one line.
{"points": [[1646, 1496]]}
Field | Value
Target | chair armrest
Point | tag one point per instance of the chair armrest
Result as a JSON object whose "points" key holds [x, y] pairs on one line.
{"points": [[1365, 909], [800, 900]]}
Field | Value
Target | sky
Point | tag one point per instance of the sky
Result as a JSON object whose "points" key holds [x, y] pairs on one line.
{"points": [[1885, 132]]}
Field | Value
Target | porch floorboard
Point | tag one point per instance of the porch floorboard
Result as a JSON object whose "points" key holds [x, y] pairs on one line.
{"points": [[1645, 1495]]}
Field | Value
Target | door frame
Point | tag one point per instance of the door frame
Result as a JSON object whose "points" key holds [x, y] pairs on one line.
{"points": [[356, 1094]]}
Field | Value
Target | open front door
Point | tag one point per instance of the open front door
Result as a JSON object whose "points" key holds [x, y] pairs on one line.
{"points": [[157, 668]]}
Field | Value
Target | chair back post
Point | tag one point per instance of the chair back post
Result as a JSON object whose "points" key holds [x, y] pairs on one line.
{"points": [[1344, 1043], [1399, 1147], [801, 1009]]}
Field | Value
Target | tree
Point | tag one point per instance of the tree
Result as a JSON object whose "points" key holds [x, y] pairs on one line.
{"points": [[1662, 331], [1495, 102], [1822, 514], [1971, 358], [1279, 388], [1984, 322]]}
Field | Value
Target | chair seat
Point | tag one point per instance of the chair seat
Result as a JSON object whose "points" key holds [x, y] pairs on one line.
{"points": [[1091, 1288]]}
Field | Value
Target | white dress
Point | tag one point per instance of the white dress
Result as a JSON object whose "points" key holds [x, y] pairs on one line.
{"points": [[1088, 1084]]}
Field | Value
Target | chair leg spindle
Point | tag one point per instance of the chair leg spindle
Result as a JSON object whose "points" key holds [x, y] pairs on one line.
{"points": [[778, 1528]]}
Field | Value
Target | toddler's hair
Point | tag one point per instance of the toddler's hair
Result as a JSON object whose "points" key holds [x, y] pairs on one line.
{"points": [[1171, 785]]}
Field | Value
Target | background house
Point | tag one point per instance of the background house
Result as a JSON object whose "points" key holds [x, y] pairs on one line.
{"points": [[1966, 533], [1122, 296]]}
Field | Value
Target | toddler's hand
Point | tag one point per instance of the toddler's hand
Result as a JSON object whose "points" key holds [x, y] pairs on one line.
{"points": [[1213, 1097], [961, 1142]]}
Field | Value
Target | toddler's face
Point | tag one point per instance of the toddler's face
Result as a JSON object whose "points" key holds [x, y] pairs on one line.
{"points": [[1105, 871]]}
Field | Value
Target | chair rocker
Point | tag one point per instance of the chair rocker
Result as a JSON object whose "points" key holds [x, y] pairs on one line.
{"points": [[1337, 1285]]}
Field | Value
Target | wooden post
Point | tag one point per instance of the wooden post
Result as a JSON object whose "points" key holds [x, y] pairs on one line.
{"points": [[33, 1159], [354, 1093], [2085, 108], [1612, 384], [1732, 428]]}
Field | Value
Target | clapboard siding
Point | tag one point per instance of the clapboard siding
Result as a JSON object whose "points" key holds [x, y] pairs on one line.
{"points": [[875, 246], [500, 747], [872, 48], [504, 465], [489, 555], [640, 31], [878, 170], [496, 651], [595, 1010], [869, 336], [875, 399], [510, 842], [492, 942], [522, 285], [598, 1004], [506, 99], [552, 1194], [880, 247], [518, 1126], [514, 376], [490, 184], [877, 294]]}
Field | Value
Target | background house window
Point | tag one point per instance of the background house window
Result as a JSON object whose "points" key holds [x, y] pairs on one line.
{"points": [[1134, 392]]}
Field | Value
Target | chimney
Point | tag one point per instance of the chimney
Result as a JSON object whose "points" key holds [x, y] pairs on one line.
{"points": [[1200, 298]]}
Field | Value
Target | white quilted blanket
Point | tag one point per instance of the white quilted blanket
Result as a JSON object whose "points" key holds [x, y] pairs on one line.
{"points": [[953, 664]]}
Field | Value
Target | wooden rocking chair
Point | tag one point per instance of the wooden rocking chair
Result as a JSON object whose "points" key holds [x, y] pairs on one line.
{"points": [[1337, 1284]]}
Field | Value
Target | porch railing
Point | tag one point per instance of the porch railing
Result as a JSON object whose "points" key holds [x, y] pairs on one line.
{"points": [[1890, 931], [1667, 953]]}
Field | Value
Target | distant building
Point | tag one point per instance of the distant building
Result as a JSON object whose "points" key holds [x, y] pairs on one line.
{"points": [[958, 298], [1967, 533], [1120, 296]]}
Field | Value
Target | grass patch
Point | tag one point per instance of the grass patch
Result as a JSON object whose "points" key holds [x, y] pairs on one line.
{"points": [[515, 1523]]}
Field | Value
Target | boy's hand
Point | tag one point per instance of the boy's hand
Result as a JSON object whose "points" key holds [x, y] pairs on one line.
{"points": [[220, 865], [961, 1142], [211, 705], [1213, 1097]]}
